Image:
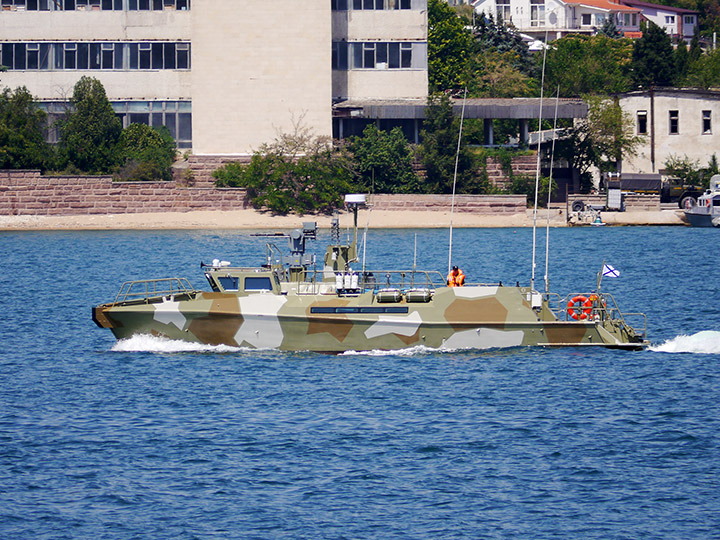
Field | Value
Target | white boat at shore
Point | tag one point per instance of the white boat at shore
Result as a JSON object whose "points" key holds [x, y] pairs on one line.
{"points": [[706, 213]]}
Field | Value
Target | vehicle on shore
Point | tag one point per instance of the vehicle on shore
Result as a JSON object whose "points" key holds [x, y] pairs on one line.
{"points": [[288, 303]]}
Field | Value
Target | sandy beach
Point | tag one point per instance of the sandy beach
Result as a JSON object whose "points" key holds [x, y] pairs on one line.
{"points": [[252, 219]]}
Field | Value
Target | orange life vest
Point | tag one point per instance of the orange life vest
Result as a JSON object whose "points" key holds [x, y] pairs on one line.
{"points": [[456, 280]]}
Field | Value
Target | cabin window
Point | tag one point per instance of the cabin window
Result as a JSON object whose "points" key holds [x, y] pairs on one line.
{"points": [[707, 122], [642, 122], [258, 284], [674, 122], [228, 283]]}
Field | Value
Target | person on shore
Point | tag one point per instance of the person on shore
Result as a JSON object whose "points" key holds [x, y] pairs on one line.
{"points": [[456, 278]]}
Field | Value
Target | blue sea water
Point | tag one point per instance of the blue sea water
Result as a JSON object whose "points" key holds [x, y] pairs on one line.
{"points": [[153, 439]]}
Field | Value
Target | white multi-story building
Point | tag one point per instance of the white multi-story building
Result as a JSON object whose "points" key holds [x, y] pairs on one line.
{"points": [[225, 76], [556, 18]]}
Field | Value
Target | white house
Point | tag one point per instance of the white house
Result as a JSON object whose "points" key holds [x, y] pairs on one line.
{"points": [[679, 23], [556, 18]]}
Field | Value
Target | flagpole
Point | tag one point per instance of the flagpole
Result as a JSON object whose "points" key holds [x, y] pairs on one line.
{"points": [[599, 276]]}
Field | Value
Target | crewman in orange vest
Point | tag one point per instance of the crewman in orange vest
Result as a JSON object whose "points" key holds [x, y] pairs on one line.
{"points": [[456, 278]]}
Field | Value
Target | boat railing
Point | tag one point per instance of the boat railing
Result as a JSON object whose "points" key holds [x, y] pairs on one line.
{"points": [[145, 289], [602, 308], [554, 301], [357, 282]]}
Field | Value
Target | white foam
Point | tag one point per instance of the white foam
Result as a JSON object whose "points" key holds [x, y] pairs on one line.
{"points": [[148, 343], [410, 351], [705, 342]]}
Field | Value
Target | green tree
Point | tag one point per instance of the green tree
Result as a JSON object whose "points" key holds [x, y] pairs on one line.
{"points": [[449, 48], [705, 71], [148, 153], [581, 65], [438, 151], [690, 172], [90, 132], [609, 29], [499, 78], [22, 137], [495, 36], [384, 161], [682, 58], [653, 59], [600, 140], [296, 173], [525, 185]]}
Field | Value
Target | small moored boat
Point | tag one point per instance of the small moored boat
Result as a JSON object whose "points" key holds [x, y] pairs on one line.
{"points": [[706, 213]]}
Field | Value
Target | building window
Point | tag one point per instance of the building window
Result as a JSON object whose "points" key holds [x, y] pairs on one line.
{"points": [[689, 20], [95, 5], [342, 5], [503, 10], [340, 55], [674, 122], [642, 122], [707, 122], [94, 56], [586, 19], [379, 55], [537, 12], [669, 19]]}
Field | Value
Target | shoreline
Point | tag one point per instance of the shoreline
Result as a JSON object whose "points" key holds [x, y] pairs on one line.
{"points": [[374, 219]]}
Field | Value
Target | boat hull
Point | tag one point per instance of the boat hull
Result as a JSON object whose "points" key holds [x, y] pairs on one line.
{"points": [[462, 318], [702, 218]]}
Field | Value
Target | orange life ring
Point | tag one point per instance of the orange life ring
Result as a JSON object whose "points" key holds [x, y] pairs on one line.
{"points": [[579, 307]]}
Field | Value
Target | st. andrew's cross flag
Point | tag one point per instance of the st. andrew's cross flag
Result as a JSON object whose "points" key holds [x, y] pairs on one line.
{"points": [[609, 271]]}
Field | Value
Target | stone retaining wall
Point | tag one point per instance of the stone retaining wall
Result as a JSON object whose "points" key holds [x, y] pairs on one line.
{"points": [[30, 193], [477, 204]]}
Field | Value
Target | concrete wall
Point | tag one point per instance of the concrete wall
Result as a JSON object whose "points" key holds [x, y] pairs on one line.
{"points": [[259, 69], [29, 193], [691, 141], [634, 202]]}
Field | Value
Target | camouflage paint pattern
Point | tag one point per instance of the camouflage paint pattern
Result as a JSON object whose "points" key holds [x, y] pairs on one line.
{"points": [[477, 317]]}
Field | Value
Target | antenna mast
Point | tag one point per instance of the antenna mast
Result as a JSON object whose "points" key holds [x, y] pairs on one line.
{"points": [[457, 157]]}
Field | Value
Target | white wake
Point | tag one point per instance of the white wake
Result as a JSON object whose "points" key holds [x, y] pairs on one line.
{"points": [[148, 343], [705, 342]]}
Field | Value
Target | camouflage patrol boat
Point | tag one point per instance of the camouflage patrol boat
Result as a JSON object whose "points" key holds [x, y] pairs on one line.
{"points": [[288, 303]]}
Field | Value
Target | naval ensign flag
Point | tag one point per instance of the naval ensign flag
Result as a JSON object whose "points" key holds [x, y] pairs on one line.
{"points": [[609, 271]]}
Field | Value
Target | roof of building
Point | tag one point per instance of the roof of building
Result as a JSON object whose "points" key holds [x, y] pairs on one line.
{"points": [[602, 4], [511, 108], [636, 3]]}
